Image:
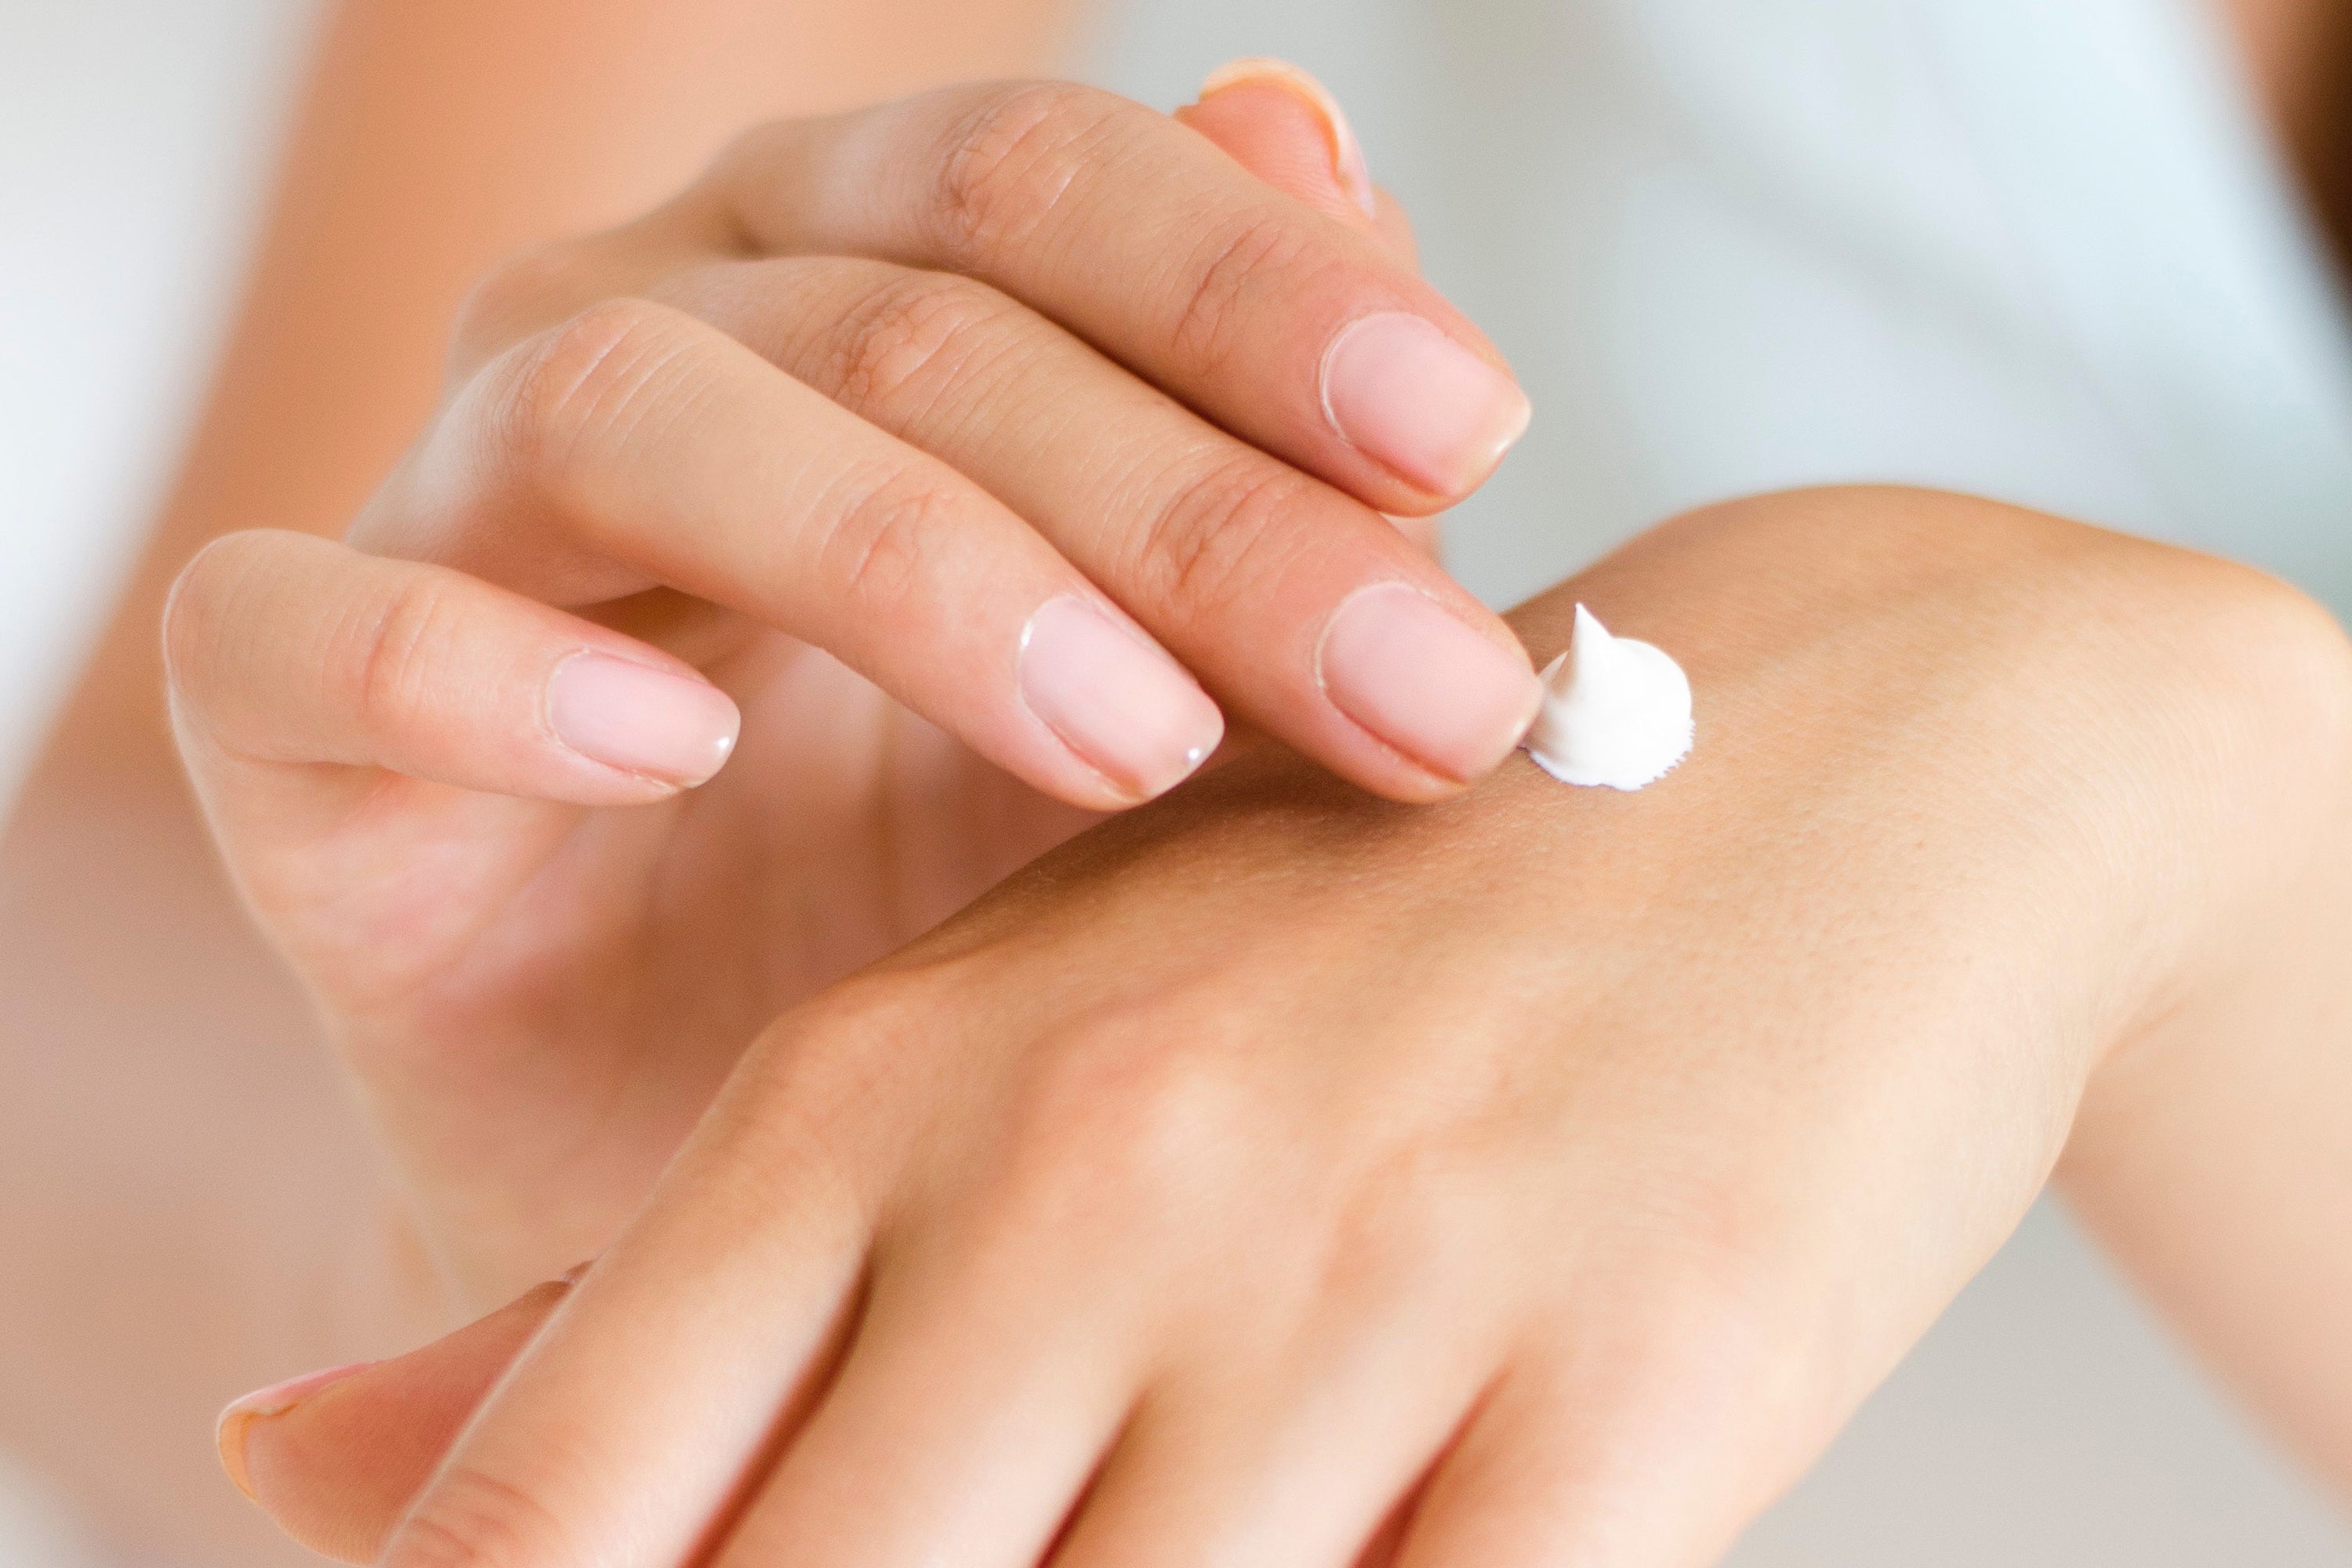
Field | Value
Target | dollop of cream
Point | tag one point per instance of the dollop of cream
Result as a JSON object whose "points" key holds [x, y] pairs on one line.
{"points": [[1616, 712]]}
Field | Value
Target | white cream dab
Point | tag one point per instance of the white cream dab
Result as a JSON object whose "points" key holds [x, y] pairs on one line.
{"points": [[1616, 712]]}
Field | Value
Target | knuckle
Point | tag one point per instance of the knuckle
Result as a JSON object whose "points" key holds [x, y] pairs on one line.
{"points": [[526, 292], [389, 661], [1409, 1223], [842, 1049], [571, 403], [901, 348], [749, 156], [845, 1046], [1221, 530], [1153, 1116], [1245, 260], [875, 549], [1010, 158], [474, 1520]]}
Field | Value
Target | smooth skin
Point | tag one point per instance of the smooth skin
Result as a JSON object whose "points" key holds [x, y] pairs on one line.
{"points": [[188, 1146], [193, 1209], [1274, 1175], [539, 966]]}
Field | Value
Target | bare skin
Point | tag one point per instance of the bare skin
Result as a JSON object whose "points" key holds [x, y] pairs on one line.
{"points": [[1568, 1162], [592, 957], [299, 1253], [106, 862]]}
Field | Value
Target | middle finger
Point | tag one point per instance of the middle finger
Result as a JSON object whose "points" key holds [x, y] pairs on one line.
{"points": [[1305, 610]]}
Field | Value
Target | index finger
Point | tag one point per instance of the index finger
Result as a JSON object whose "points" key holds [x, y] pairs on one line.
{"points": [[1300, 333]]}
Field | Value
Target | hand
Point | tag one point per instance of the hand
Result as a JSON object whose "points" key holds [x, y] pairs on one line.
{"points": [[1274, 1175], [950, 390]]}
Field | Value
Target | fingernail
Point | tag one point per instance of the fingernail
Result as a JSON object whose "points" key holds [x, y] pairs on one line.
{"points": [[236, 1421], [1404, 667], [641, 720], [1125, 707], [1347, 152], [1397, 388]]}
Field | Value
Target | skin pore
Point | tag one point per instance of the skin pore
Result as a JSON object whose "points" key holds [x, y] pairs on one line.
{"points": [[466, 155]]}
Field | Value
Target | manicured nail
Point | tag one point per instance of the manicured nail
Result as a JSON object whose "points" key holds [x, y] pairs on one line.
{"points": [[641, 720], [236, 1421], [1399, 389], [1347, 152], [1404, 667], [1125, 707]]}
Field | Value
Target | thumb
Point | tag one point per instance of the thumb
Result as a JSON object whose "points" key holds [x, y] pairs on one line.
{"points": [[1284, 127], [335, 1458]]}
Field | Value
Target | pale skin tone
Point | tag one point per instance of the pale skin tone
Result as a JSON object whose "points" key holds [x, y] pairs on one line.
{"points": [[2169, 1130]]}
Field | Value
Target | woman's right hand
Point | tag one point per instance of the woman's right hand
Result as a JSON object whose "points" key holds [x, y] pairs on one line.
{"points": [[1039, 411]]}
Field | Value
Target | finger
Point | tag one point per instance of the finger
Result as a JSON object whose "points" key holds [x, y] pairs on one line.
{"points": [[1253, 573], [963, 1425], [1291, 1453], [650, 1405], [1284, 127], [637, 446], [335, 1458], [1633, 1454], [1299, 333], [286, 648]]}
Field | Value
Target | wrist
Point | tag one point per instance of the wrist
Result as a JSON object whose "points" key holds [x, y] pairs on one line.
{"points": [[2173, 731]]}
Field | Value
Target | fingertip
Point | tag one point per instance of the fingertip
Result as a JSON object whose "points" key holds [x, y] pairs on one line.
{"points": [[1133, 716], [233, 1433], [334, 1458], [1283, 125], [1429, 408], [1432, 687], [671, 727]]}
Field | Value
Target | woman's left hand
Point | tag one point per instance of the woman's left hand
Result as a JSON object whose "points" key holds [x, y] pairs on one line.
{"points": [[1279, 1176]]}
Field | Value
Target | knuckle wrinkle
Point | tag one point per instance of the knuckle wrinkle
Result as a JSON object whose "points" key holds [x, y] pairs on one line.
{"points": [[476, 1520], [1011, 158]]}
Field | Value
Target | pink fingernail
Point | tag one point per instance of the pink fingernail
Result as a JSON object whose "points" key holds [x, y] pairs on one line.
{"points": [[641, 720], [1402, 391], [1404, 667], [236, 1421], [1126, 708]]}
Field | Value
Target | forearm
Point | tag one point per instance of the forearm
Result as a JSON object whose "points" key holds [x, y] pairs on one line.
{"points": [[2209, 1152], [2212, 1162]]}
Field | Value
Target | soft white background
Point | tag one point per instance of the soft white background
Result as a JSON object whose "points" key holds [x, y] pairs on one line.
{"points": [[2044, 1424]]}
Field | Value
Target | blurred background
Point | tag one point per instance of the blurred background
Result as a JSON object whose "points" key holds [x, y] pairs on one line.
{"points": [[1677, 344]]}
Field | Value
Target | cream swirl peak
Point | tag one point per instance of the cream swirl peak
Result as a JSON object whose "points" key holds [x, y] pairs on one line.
{"points": [[1616, 712]]}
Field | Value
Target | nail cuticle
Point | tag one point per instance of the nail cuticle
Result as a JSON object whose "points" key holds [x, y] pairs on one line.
{"points": [[1118, 704], [1434, 690], [1409, 398]]}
